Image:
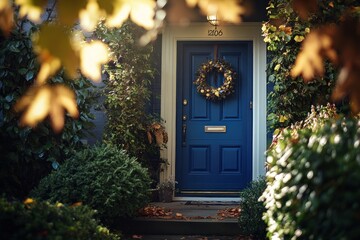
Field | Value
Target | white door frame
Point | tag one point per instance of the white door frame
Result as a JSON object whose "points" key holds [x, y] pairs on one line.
{"points": [[199, 32]]}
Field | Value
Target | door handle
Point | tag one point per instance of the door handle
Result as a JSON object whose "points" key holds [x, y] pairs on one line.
{"points": [[184, 134]]}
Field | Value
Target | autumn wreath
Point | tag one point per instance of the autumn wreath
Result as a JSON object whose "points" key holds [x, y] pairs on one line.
{"points": [[210, 92]]}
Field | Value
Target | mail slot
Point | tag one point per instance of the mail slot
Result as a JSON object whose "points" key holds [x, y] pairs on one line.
{"points": [[215, 129]]}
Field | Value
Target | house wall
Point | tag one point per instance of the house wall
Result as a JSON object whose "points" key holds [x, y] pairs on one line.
{"points": [[199, 31]]}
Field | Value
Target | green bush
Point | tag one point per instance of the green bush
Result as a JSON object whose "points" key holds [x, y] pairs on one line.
{"points": [[27, 155], [41, 220], [313, 183], [103, 177], [250, 219]]}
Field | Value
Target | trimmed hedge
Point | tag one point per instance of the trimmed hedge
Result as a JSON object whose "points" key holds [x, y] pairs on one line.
{"points": [[103, 177], [41, 220], [313, 180]]}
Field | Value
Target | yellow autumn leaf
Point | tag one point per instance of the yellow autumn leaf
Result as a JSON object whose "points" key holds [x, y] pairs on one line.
{"points": [[68, 10], [298, 38], [32, 9], [283, 118], [108, 5], [59, 205], [42, 101], [51, 54], [192, 3], [276, 132], [6, 17], [317, 46], [228, 11], [50, 65], [64, 100], [92, 56], [4, 4], [277, 67], [37, 104], [90, 16], [119, 16], [29, 201], [141, 12]]}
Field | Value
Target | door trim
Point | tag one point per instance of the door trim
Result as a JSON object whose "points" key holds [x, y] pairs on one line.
{"points": [[198, 32]]}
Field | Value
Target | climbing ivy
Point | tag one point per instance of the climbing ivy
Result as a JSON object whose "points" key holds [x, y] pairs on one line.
{"points": [[284, 32], [127, 88], [29, 154]]}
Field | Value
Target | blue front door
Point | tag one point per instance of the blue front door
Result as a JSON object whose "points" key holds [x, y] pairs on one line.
{"points": [[213, 138]]}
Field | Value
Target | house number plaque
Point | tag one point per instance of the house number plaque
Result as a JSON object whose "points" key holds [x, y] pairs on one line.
{"points": [[215, 33]]}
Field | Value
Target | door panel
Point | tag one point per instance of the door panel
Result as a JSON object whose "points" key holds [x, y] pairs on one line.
{"points": [[209, 162]]}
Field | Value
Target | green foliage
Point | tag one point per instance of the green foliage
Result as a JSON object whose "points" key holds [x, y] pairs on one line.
{"points": [[317, 117], [41, 220], [127, 89], [313, 183], [103, 177], [291, 98], [250, 219], [27, 154]]}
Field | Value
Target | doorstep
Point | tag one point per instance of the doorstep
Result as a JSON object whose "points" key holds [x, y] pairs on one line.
{"points": [[188, 218]]}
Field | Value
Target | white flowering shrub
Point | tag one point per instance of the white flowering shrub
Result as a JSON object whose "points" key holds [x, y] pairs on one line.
{"points": [[313, 183]]}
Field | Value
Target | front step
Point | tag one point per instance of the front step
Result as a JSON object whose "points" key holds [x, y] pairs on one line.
{"points": [[197, 218], [179, 227]]}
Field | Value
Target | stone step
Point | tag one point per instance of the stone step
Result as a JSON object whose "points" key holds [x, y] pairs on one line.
{"points": [[178, 227], [188, 218]]}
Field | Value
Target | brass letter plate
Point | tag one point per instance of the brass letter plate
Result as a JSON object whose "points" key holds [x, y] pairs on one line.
{"points": [[215, 129]]}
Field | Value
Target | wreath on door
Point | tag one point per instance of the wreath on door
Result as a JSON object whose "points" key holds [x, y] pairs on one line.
{"points": [[210, 92]]}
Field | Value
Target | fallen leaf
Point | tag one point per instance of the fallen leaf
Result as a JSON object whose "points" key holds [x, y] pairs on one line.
{"points": [[155, 211], [77, 204], [229, 213]]}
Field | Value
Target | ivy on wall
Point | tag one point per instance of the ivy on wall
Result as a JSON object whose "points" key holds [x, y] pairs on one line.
{"points": [[127, 88], [284, 32]]}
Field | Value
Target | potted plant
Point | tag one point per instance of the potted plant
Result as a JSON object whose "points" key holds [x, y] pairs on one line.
{"points": [[166, 190]]}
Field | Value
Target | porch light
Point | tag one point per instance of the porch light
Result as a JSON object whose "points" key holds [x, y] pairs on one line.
{"points": [[213, 20]]}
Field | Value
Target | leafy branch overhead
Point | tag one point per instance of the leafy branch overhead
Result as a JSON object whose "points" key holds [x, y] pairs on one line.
{"points": [[314, 50], [58, 45], [337, 43]]}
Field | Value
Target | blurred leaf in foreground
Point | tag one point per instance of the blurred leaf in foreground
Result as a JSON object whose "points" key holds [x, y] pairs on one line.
{"points": [[6, 17], [228, 11], [40, 102]]}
